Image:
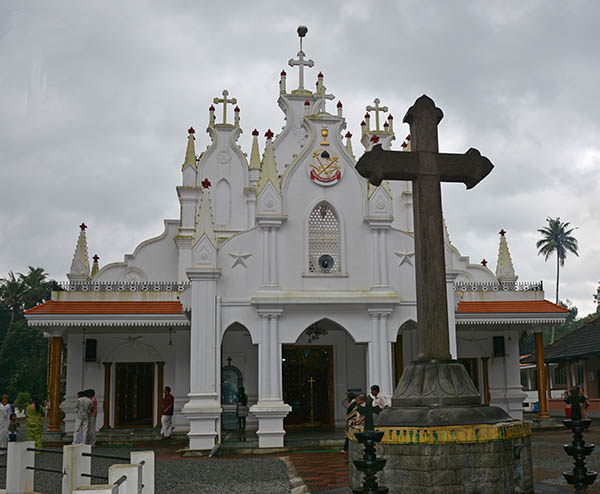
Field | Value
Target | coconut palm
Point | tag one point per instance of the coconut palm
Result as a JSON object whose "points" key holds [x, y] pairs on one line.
{"points": [[556, 238], [12, 293]]}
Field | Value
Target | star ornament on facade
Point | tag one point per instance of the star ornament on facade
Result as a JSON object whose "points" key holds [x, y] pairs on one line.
{"points": [[206, 183], [405, 257], [239, 258]]}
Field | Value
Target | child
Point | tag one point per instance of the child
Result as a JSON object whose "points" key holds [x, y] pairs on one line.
{"points": [[13, 428]]}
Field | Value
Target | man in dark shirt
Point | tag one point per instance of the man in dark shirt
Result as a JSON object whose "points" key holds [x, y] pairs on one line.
{"points": [[166, 419]]}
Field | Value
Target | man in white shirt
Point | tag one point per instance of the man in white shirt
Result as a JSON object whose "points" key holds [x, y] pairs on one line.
{"points": [[82, 417], [377, 399]]}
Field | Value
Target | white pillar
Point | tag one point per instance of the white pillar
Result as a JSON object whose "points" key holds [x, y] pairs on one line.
{"points": [[265, 258], [450, 277], [203, 408], [380, 353], [74, 464], [147, 457], [514, 391], [74, 379], [133, 484], [19, 480], [270, 409], [184, 247]]}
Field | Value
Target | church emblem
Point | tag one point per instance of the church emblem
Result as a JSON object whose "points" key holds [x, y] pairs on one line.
{"points": [[324, 169]]}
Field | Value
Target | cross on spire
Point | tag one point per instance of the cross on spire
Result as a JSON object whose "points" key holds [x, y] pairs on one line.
{"points": [[301, 62], [224, 100], [377, 109]]}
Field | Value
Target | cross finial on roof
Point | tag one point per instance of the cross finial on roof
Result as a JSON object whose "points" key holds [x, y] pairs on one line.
{"points": [[374, 138], [206, 183], [377, 109], [301, 62], [224, 100], [269, 134], [191, 130], [502, 232], [484, 263], [83, 226], [96, 258], [229, 359]]}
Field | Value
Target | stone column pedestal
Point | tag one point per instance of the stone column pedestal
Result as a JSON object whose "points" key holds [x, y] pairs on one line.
{"points": [[270, 417], [203, 419]]}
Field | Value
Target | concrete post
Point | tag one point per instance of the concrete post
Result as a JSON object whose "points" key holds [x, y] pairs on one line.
{"points": [[133, 484], [75, 464], [147, 469], [19, 480]]}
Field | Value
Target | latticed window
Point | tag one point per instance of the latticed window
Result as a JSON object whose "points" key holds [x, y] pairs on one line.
{"points": [[324, 252]]}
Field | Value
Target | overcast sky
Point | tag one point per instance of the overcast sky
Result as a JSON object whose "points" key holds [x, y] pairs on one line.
{"points": [[96, 98]]}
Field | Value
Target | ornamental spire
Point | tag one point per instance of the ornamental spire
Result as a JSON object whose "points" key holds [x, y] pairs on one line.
{"points": [[80, 267], [505, 271], [268, 171], [254, 153], [301, 62], [95, 265], [205, 225], [190, 152]]}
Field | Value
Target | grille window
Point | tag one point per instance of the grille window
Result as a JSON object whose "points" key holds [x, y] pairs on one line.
{"points": [[323, 238]]}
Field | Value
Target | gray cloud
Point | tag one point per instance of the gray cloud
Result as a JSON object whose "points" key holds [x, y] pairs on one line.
{"points": [[96, 100]]}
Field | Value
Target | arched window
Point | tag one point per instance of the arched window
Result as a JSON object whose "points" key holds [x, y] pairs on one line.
{"points": [[324, 249]]}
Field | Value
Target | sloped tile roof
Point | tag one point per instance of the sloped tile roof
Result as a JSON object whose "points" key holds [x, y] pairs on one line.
{"points": [[510, 307], [136, 307], [581, 343]]}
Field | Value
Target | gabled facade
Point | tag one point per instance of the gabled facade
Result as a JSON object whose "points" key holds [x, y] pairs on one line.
{"points": [[288, 275]]}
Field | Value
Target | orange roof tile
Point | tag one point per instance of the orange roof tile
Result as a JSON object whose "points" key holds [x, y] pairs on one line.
{"points": [[138, 307], [510, 307]]}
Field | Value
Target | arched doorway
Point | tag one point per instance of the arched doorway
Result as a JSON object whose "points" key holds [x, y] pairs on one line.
{"points": [[318, 370], [239, 369]]}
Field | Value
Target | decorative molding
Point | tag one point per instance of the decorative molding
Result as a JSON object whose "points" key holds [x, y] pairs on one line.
{"points": [[121, 286], [492, 286]]}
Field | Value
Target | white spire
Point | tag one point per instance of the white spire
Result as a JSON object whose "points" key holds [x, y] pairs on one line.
{"points": [[254, 153], [268, 172], [505, 271], [204, 219], [80, 267], [190, 152]]}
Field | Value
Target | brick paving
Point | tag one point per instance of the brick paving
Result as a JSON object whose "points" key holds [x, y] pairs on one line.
{"points": [[322, 471]]}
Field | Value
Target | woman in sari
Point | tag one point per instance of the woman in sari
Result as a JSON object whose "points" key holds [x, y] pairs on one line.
{"points": [[33, 423]]}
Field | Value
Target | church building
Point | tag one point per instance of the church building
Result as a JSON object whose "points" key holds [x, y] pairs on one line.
{"points": [[286, 274]]}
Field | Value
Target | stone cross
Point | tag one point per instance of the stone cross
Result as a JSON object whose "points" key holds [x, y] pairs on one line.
{"points": [[301, 63], [224, 100], [320, 97], [426, 168], [377, 109]]}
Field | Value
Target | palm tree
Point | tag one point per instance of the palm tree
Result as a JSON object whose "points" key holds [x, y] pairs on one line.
{"points": [[556, 237], [12, 293]]}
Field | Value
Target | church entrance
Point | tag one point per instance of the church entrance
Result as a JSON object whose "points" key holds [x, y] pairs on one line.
{"points": [[134, 395], [308, 386]]}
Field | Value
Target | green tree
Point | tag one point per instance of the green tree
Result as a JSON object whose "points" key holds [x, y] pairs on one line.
{"points": [[12, 292], [597, 298], [556, 238]]}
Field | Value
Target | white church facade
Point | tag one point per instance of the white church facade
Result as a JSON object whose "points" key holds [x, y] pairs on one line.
{"points": [[286, 273]]}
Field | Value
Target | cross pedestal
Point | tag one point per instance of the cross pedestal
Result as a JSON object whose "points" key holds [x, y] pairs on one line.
{"points": [[436, 411]]}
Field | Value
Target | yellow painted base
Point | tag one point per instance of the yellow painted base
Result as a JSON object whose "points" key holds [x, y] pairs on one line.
{"points": [[451, 434]]}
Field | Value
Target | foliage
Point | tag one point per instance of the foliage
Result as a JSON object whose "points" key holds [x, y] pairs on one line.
{"points": [[557, 239], [23, 399], [527, 344], [597, 298], [23, 350]]}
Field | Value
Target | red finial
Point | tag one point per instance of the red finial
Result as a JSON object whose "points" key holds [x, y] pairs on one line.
{"points": [[348, 135], [206, 183], [367, 115], [320, 75], [408, 137], [386, 124], [191, 130], [255, 132], [390, 117], [362, 124], [96, 258], [502, 232], [307, 103], [211, 108], [269, 134], [236, 109], [283, 74], [404, 145], [484, 263], [339, 105], [374, 138], [83, 226]]}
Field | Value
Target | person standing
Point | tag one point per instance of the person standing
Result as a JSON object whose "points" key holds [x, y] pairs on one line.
{"points": [[13, 428], [91, 434], [33, 422], [166, 419], [351, 416], [83, 407], [4, 422], [377, 399], [241, 410]]}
